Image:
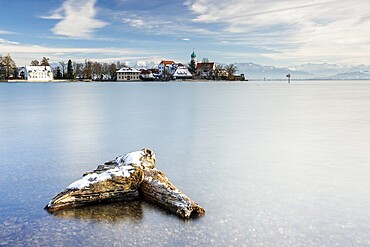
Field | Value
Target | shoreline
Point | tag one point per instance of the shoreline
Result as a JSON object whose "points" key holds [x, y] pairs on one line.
{"points": [[174, 81]]}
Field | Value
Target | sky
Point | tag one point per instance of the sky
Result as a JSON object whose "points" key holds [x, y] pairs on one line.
{"points": [[268, 32]]}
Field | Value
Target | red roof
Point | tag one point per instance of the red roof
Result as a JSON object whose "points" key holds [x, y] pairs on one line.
{"points": [[205, 66], [167, 62]]}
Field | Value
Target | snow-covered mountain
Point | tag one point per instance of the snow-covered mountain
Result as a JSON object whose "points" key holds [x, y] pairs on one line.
{"points": [[323, 69], [330, 70], [256, 71], [305, 71], [141, 64], [357, 75]]}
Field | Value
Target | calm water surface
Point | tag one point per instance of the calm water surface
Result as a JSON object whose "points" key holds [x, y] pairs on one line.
{"points": [[274, 164]]}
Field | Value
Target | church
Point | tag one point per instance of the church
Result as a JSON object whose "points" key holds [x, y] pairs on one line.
{"points": [[204, 70]]}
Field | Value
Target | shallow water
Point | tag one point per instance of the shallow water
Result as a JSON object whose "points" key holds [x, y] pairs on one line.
{"points": [[273, 164]]}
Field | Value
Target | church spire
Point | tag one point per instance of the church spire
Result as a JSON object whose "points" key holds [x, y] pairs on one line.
{"points": [[193, 55]]}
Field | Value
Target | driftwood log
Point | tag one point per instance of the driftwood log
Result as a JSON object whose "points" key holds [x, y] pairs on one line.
{"points": [[126, 178]]}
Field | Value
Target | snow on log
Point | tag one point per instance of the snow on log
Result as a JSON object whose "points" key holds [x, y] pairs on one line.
{"points": [[112, 185], [158, 189], [124, 179]]}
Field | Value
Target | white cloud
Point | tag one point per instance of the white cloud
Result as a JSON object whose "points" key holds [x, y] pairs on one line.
{"points": [[137, 23], [160, 25], [6, 32], [24, 53], [56, 15], [147, 23], [298, 31], [77, 19], [4, 41]]}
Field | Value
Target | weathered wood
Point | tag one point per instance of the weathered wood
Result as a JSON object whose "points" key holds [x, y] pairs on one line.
{"points": [[92, 189], [158, 189], [124, 179], [115, 180]]}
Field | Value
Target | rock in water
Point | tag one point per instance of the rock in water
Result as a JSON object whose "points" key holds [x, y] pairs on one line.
{"points": [[124, 179]]}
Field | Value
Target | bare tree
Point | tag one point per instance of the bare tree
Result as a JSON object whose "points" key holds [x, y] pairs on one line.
{"points": [[87, 69], [2, 68], [97, 69], [8, 66], [63, 65], [105, 69], [113, 71], [74, 67], [79, 70], [120, 65]]}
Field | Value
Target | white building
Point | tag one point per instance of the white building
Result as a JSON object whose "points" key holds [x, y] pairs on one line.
{"points": [[128, 74], [166, 67], [36, 73], [182, 72]]}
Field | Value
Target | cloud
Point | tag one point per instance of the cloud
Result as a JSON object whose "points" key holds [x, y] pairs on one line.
{"points": [[6, 32], [24, 53], [137, 23], [56, 15], [158, 23], [146, 23], [4, 41], [294, 31], [77, 19]]}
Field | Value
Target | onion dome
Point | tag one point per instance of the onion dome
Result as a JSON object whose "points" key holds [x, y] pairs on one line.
{"points": [[193, 55]]}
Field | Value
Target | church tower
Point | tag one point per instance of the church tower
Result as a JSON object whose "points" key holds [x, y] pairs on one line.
{"points": [[194, 58]]}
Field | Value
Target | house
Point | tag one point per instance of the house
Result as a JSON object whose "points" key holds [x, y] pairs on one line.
{"points": [[147, 75], [237, 77], [36, 73], [169, 69], [128, 74], [206, 70], [181, 72], [222, 74], [165, 67]]}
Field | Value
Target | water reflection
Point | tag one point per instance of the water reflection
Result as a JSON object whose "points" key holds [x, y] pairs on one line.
{"points": [[274, 164], [112, 212]]}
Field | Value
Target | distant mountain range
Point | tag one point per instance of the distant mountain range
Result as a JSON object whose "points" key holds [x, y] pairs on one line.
{"points": [[305, 71], [256, 71]]}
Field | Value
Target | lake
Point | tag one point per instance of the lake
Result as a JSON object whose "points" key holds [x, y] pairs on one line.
{"points": [[273, 164]]}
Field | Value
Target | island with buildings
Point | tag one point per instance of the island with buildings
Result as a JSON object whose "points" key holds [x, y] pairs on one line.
{"points": [[166, 70]]}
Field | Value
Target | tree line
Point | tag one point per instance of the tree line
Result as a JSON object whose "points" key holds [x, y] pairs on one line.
{"points": [[94, 70], [70, 70], [87, 70]]}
